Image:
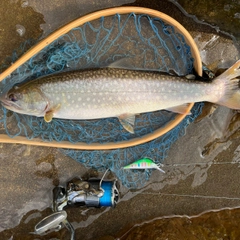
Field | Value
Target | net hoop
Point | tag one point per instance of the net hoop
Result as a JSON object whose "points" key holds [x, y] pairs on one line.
{"points": [[4, 138]]}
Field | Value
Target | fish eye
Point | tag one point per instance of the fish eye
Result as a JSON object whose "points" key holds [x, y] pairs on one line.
{"points": [[12, 97]]}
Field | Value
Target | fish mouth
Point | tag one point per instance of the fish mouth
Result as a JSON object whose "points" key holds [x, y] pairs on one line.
{"points": [[8, 104]]}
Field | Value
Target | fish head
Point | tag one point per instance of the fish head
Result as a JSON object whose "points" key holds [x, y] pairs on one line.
{"points": [[25, 100]]}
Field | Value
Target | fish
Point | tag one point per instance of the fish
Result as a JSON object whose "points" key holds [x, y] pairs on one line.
{"points": [[122, 93], [144, 163]]}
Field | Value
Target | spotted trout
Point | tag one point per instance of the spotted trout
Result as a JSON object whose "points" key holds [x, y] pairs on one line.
{"points": [[109, 92]]}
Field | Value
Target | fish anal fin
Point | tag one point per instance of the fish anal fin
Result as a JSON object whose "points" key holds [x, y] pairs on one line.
{"points": [[49, 114], [127, 120], [182, 109]]}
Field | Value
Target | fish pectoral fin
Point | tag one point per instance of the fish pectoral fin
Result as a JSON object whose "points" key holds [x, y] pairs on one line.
{"points": [[127, 121], [49, 114], [182, 109]]}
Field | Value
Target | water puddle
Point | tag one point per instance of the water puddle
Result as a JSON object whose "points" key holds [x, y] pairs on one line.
{"points": [[210, 225], [18, 24], [57, 14], [48, 169], [224, 15]]}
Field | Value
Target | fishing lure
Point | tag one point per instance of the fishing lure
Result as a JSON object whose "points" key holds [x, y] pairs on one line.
{"points": [[144, 163]]}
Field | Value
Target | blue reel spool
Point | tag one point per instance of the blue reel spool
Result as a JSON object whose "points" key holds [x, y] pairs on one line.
{"points": [[110, 195]]}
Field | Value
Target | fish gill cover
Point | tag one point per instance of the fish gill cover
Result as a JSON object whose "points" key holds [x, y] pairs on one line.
{"points": [[145, 43]]}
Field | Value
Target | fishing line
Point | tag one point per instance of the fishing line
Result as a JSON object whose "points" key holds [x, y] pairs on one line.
{"points": [[189, 195], [200, 163]]}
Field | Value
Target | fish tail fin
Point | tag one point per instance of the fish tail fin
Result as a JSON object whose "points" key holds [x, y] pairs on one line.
{"points": [[231, 96]]}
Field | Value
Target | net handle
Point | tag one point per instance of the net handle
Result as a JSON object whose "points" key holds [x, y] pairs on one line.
{"points": [[4, 138]]}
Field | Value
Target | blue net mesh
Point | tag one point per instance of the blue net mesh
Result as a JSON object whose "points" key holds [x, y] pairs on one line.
{"points": [[146, 43]]}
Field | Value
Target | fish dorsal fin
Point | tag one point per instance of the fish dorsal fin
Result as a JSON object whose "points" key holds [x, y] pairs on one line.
{"points": [[127, 120], [182, 109], [131, 64], [123, 63]]}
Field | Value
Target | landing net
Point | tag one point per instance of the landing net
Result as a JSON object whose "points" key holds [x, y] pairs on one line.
{"points": [[146, 43]]}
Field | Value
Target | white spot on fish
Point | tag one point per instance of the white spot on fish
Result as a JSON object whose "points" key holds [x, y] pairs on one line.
{"points": [[79, 99], [88, 99]]}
